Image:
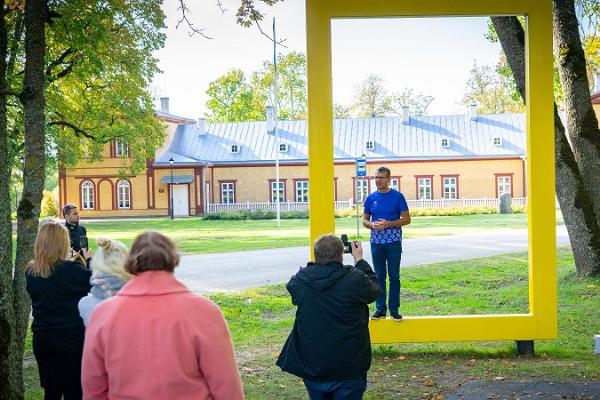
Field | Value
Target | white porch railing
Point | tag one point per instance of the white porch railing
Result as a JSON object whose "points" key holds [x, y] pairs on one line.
{"points": [[444, 203], [284, 206], [297, 206]]}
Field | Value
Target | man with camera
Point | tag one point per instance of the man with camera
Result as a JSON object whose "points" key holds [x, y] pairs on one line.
{"points": [[77, 232], [329, 345]]}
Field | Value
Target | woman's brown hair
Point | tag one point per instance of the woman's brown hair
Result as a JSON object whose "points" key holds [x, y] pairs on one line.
{"points": [[152, 251], [51, 246]]}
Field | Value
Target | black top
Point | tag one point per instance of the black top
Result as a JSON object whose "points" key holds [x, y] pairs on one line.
{"points": [[330, 337], [76, 231], [54, 299]]}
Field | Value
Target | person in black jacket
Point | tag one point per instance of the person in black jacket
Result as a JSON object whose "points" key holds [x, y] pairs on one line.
{"points": [[55, 285], [329, 345], [76, 230]]}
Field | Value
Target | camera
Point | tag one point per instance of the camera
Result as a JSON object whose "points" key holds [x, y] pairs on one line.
{"points": [[347, 244]]}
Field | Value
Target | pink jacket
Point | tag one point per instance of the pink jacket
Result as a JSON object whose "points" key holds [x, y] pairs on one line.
{"points": [[157, 340]]}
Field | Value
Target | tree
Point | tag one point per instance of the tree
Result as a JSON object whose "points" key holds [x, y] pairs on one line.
{"points": [[577, 186], [372, 99], [232, 99], [416, 102], [85, 77], [291, 86], [491, 91], [341, 111]]}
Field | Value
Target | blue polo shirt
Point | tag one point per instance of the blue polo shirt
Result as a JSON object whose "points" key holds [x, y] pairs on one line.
{"points": [[388, 206]]}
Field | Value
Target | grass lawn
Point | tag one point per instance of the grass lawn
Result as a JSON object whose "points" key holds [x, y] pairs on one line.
{"points": [[260, 320], [196, 236]]}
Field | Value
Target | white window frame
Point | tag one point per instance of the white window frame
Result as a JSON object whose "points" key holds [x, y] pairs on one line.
{"points": [[425, 186], [450, 187], [370, 145], [504, 181], [283, 147], [497, 141], [281, 191], [235, 149], [121, 148], [395, 184], [123, 195], [87, 195], [227, 193], [445, 142], [302, 191]]}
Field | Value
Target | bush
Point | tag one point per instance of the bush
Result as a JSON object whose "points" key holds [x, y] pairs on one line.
{"points": [[48, 208], [243, 215], [429, 212]]}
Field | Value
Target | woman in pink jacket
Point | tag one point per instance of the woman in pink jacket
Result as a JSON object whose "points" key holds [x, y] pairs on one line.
{"points": [[157, 340]]}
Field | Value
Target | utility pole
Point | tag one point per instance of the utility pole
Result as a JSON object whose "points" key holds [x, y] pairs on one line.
{"points": [[275, 106]]}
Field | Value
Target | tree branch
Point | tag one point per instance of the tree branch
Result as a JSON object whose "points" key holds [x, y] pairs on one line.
{"points": [[193, 30], [60, 60], [77, 130], [279, 42]]}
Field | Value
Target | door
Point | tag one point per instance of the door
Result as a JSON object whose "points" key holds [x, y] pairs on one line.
{"points": [[181, 205]]}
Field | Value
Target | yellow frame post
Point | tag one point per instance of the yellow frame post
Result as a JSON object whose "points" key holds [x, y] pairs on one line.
{"points": [[541, 321]]}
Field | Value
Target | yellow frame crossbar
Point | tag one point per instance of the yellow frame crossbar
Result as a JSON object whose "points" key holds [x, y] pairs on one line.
{"points": [[541, 321]]}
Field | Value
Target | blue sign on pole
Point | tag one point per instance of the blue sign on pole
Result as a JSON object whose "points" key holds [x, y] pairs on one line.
{"points": [[361, 167]]}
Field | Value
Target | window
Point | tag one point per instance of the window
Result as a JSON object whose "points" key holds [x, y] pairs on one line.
{"points": [[302, 191], [227, 192], [449, 187], [362, 190], [395, 184], [504, 185], [370, 145], [87, 195], [123, 195], [424, 189], [445, 143], [277, 193], [235, 148], [283, 148], [121, 148], [497, 141]]}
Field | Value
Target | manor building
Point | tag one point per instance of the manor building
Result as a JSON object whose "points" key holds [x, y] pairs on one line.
{"points": [[204, 164]]}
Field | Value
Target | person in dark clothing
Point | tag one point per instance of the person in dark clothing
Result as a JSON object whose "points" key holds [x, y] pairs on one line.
{"points": [[329, 345], [55, 285], [76, 230]]}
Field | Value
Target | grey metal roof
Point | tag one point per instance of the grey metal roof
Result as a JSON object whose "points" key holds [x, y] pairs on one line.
{"points": [[177, 179], [421, 138]]}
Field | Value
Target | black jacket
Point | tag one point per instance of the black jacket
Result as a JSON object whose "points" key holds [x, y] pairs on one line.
{"points": [[54, 299], [75, 233], [330, 337]]}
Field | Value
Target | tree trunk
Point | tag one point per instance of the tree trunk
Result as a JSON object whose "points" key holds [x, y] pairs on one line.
{"points": [[9, 376], [582, 124], [574, 199]]}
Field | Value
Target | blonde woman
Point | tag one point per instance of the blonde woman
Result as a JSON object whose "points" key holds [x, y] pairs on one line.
{"points": [[55, 285], [109, 275]]}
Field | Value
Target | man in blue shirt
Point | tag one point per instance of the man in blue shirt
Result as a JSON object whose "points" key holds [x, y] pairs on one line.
{"points": [[385, 213]]}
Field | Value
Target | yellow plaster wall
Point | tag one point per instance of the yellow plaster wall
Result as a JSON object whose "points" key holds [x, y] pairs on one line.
{"points": [[162, 199]]}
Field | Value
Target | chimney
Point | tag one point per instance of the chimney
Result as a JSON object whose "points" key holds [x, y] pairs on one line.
{"points": [[597, 83], [473, 112], [164, 105], [200, 127], [405, 115], [270, 119]]}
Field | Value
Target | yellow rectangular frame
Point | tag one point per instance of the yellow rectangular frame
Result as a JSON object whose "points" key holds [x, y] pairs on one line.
{"points": [[541, 321]]}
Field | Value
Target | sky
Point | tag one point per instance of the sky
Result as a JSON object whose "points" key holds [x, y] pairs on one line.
{"points": [[432, 56]]}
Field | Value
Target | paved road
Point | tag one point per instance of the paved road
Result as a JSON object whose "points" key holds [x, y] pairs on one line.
{"points": [[208, 273]]}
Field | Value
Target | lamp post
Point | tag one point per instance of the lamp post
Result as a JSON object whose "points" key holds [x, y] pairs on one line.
{"points": [[171, 162]]}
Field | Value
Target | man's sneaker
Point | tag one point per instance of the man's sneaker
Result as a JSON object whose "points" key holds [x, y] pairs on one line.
{"points": [[396, 316], [378, 315]]}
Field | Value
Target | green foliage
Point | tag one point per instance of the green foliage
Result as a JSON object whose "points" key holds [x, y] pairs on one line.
{"points": [[243, 215], [231, 99], [48, 207], [493, 89]]}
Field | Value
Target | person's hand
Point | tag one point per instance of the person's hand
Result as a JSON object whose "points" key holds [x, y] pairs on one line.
{"points": [[87, 253], [357, 250], [380, 224]]}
